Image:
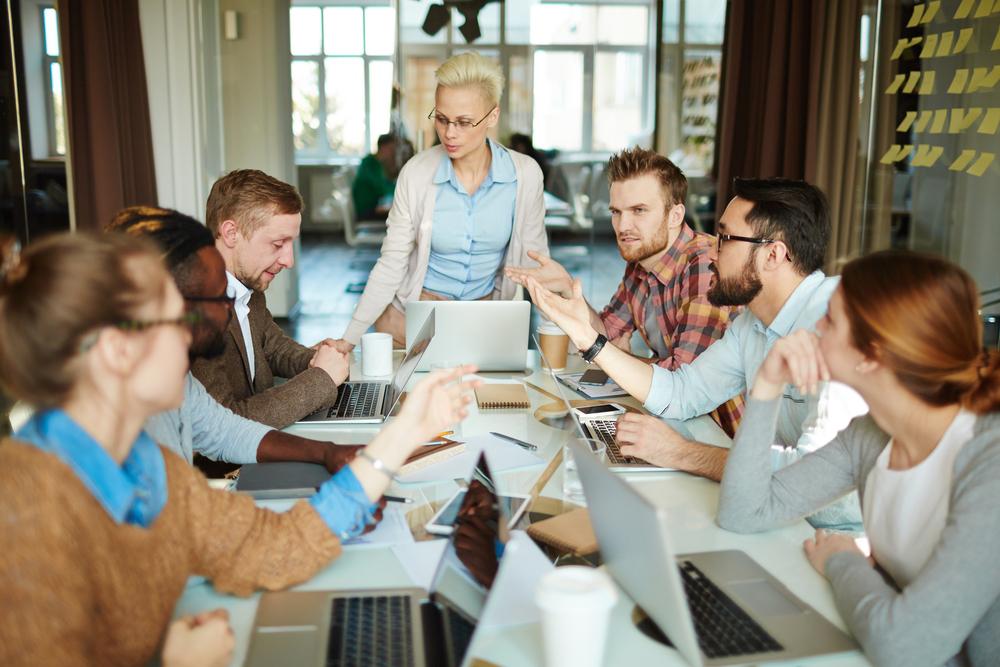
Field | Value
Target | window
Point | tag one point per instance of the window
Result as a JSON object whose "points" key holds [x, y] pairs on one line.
{"points": [[55, 109], [342, 77], [690, 66], [548, 51]]}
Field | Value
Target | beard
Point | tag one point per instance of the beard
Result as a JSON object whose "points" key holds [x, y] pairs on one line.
{"points": [[656, 244], [738, 291], [207, 343]]}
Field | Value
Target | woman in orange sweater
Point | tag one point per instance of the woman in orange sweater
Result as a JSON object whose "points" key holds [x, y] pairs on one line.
{"points": [[102, 527]]}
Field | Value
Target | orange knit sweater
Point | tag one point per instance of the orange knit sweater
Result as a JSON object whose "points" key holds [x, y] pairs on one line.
{"points": [[78, 589]]}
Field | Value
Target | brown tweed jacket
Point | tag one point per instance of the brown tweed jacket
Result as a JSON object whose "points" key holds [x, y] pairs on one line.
{"points": [[227, 377]]}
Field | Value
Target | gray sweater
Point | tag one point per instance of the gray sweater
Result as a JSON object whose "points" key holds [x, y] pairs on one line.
{"points": [[953, 605]]}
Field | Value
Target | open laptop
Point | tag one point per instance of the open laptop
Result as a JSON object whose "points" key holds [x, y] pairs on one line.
{"points": [[373, 402], [603, 429], [493, 335], [716, 607], [398, 627]]}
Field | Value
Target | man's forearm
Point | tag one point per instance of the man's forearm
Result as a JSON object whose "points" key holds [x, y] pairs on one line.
{"points": [[281, 446], [596, 321], [704, 460]]}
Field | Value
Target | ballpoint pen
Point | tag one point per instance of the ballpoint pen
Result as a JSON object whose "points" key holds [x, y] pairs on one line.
{"points": [[397, 499], [519, 443]]}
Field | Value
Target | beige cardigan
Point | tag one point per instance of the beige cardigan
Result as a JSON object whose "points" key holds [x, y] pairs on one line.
{"points": [[398, 277]]}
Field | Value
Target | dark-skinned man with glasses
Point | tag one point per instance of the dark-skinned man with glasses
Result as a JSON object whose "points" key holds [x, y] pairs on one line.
{"points": [[201, 425], [771, 244]]}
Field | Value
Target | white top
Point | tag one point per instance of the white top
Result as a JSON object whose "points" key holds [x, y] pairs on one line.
{"points": [[905, 510], [242, 308]]}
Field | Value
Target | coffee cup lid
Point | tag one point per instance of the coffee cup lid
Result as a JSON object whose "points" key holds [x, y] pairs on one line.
{"points": [[576, 586]]}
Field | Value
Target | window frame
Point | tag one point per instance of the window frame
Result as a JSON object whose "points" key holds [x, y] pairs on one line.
{"points": [[323, 152], [50, 110]]}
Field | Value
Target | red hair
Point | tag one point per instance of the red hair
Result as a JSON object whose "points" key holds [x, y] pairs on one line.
{"points": [[919, 316]]}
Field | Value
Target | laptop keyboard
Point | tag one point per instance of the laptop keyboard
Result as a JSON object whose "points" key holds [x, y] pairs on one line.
{"points": [[356, 399], [371, 632], [605, 430], [723, 628]]}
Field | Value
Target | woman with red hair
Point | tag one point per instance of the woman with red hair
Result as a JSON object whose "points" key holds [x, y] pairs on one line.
{"points": [[903, 330]]}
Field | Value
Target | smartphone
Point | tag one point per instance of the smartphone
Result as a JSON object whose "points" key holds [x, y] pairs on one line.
{"points": [[443, 523], [602, 411], [594, 376]]}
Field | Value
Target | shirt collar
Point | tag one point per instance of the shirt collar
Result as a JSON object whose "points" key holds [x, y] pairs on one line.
{"points": [[501, 168], [134, 492], [796, 302], [241, 291], [666, 266]]}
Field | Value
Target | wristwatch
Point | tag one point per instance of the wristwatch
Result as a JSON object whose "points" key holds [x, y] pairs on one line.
{"points": [[595, 349]]}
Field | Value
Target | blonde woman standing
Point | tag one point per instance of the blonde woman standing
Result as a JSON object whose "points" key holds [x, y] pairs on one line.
{"points": [[463, 210]]}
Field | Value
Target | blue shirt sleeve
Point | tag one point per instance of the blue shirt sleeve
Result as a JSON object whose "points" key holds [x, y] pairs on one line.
{"points": [[697, 388], [343, 505], [218, 432]]}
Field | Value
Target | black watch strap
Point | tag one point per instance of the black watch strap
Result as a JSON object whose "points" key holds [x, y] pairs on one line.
{"points": [[596, 348]]}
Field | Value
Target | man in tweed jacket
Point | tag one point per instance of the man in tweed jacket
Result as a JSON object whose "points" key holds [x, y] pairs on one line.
{"points": [[255, 219]]}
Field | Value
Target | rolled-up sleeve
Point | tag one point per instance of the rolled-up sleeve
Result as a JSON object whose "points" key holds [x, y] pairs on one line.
{"points": [[219, 433]]}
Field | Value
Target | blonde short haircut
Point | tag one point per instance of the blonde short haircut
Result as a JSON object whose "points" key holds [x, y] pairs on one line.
{"points": [[474, 70]]}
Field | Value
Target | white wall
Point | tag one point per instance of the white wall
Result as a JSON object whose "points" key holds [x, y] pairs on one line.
{"points": [[180, 47], [257, 107]]}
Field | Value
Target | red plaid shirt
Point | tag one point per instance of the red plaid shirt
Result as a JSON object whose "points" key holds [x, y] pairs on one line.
{"points": [[669, 308]]}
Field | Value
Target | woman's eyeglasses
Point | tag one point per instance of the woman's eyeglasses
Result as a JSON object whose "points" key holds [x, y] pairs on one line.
{"points": [[461, 124], [185, 320]]}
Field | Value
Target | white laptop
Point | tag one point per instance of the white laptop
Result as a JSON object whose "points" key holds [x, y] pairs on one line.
{"points": [[715, 607], [391, 627], [373, 402], [493, 335]]}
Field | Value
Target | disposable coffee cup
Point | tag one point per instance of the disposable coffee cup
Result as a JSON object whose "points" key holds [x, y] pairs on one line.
{"points": [[376, 354], [554, 344], [576, 603]]}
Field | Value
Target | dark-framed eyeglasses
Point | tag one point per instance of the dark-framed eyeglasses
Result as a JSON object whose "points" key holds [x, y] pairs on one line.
{"points": [[186, 320], [226, 299], [461, 125], [720, 237]]}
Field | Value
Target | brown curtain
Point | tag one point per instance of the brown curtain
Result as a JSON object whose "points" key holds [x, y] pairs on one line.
{"points": [[833, 148], [789, 101], [110, 143]]}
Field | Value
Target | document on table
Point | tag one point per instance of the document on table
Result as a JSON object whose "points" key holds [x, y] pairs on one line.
{"points": [[392, 529], [501, 454], [606, 390]]}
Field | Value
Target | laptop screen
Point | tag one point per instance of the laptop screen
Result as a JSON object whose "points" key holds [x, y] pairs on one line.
{"points": [[412, 358], [472, 558]]}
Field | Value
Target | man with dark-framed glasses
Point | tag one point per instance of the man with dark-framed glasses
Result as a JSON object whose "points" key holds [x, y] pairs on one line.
{"points": [[770, 248], [201, 425]]}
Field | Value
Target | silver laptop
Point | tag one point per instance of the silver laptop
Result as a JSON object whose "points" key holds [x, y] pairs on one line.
{"points": [[493, 335], [373, 402], [399, 626], [602, 429], [716, 607]]}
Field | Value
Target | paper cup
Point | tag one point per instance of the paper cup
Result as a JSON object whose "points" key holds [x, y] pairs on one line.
{"points": [[576, 604], [554, 344]]}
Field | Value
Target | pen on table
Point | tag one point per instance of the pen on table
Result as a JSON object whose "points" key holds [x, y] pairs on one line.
{"points": [[398, 499], [519, 443]]}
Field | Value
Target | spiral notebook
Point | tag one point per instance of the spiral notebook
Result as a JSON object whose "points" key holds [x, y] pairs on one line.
{"points": [[491, 396]]}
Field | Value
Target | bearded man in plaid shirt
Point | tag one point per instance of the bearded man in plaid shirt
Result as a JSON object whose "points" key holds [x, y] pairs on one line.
{"points": [[662, 295]]}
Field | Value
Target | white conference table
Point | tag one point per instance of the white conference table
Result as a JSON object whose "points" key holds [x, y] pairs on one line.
{"points": [[691, 503]]}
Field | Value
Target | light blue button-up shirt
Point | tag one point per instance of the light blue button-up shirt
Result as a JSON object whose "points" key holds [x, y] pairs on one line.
{"points": [[133, 492], [728, 368], [470, 233]]}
